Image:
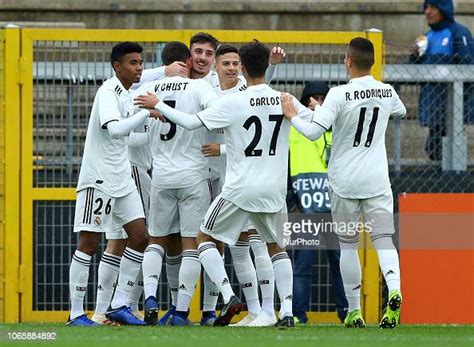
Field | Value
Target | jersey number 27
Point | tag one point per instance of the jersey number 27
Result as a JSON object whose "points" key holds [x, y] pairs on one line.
{"points": [[251, 150]]}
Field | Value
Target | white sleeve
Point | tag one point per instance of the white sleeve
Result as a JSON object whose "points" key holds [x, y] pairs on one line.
{"points": [[269, 73], [206, 94], [185, 120], [326, 114], [223, 149], [150, 75], [142, 89], [310, 130], [399, 109], [137, 139], [218, 116], [303, 112], [108, 107], [304, 122], [118, 128]]}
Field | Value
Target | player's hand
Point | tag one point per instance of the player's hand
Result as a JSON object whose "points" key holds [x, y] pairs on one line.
{"points": [[211, 150], [146, 101], [313, 103], [157, 115], [288, 106], [177, 68], [277, 55]]}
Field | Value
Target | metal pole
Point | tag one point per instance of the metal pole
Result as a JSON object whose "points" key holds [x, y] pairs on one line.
{"points": [[69, 125]]}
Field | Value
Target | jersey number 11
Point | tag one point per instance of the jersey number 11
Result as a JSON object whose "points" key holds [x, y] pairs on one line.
{"points": [[360, 127]]}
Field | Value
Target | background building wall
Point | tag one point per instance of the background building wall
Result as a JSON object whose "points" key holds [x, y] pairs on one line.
{"points": [[401, 21]]}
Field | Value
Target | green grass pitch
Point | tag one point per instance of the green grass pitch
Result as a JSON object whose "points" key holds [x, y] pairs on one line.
{"points": [[309, 335]]}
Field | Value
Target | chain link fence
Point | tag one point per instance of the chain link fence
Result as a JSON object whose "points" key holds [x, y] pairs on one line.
{"points": [[67, 75], [432, 149]]}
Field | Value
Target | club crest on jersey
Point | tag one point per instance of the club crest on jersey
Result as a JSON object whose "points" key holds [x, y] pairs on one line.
{"points": [[97, 220]]}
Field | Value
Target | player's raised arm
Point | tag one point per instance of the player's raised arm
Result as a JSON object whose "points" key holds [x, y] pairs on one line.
{"points": [[277, 55], [120, 128], [110, 116], [177, 68]]}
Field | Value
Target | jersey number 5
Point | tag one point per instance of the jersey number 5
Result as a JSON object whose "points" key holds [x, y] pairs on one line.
{"points": [[170, 134], [251, 150], [360, 127]]}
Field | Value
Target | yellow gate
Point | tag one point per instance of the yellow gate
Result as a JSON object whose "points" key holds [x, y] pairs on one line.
{"points": [[49, 78]]}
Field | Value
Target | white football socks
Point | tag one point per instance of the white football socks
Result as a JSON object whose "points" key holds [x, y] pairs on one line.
{"points": [[388, 260], [129, 269], [109, 267], [351, 276], [265, 273], [173, 264], [214, 266], [136, 292], [188, 277], [284, 282], [152, 264], [210, 295], [246, 275], [78, 278]]}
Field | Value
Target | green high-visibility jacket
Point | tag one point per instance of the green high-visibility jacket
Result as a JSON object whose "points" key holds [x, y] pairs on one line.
{"points": [[308, 180]]}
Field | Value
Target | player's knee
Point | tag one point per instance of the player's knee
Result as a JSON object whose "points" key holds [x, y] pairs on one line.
{"points": [[116, 247], [88, 242], [273, 249], [139, 242], [88, 248], [383, 241], [349, 241], [201, 237]]}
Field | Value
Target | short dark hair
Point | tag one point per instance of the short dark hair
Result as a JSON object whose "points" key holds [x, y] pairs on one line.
{"points": [[204, 38], [313, 88], [175, 51], [361, 51], [123, 48], [225, 48], [254, 56]]}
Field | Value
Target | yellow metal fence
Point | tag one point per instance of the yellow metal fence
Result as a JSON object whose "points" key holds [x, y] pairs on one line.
{"points": [[24, 198]]}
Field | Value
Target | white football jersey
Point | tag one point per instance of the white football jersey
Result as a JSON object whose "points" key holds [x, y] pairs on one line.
{"points": [[256, 137], [218, 164], [358, 113], [105, 165], [141, 155], [212, 78], [177, 156]]}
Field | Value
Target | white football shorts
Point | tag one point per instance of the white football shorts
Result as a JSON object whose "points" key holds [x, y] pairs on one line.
{"points": [[374, 215], [178, 210], [143, 183], [97, 211], [224, 221]]}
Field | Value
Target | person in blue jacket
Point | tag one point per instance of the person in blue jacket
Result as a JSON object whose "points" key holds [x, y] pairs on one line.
{"points": [[448, 42]]}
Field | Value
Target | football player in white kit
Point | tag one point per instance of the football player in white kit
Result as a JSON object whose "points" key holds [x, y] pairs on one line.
{"points": [[256, 136], [358, 172], [107, 197], [203, 47], [180, 194], [228, 69], [139, 153]]}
